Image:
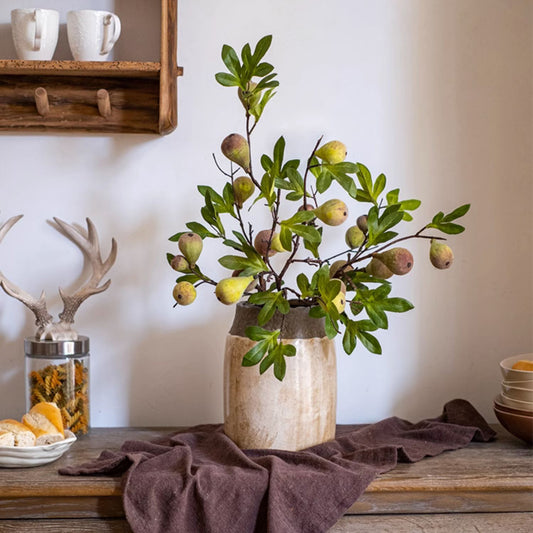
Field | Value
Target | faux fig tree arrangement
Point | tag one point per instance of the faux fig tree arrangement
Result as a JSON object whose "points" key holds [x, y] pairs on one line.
{"points": [[351, 288]]}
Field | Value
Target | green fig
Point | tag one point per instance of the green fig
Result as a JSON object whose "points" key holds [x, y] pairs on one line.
{"points": [[332, 212], [332, 152], [235, 148], [354, 237], [190, 245], [230, 290], [398, 260], [261, 243], [249, 100], [179, 263], [440, 255], [362, 223], [377, 269], [334, 268], [243, 188], [184, 293]]}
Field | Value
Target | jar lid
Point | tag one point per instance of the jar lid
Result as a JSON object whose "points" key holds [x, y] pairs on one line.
{"points": [[34, 347]]}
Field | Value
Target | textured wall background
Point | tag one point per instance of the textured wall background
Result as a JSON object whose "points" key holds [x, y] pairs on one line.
{"points": [[436, 94]]}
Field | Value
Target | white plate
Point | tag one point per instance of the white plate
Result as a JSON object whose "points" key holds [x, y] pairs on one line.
{"points": [[17, 457]]}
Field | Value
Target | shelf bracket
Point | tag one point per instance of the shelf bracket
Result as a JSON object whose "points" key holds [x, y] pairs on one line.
{"points": [[41, 101]]}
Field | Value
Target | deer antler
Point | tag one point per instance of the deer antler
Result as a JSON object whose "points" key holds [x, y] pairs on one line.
{"points": [[38, 306], [88, 243]]}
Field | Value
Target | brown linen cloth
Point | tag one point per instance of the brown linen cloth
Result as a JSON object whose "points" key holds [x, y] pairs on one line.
{"points": [[198, 480]]}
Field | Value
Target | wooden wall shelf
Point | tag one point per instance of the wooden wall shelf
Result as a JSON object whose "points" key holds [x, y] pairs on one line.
{"points": [[142, 94]]}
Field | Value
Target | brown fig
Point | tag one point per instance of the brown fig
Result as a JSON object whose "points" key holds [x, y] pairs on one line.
{"points": [[377, 269], [362, 223], [398, 260], [261, 242], [235, 148], [179, 263], [337, 265]]}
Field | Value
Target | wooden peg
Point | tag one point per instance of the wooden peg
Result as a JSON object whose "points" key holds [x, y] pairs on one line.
{"points": [[41, 101], [104, 103]]}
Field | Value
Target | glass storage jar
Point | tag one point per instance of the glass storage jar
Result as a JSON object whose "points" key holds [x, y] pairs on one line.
{"points": [[58, 371]]}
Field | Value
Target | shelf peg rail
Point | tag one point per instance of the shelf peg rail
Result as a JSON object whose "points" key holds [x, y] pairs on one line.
{"points": [[41, 101], [104, 103]]}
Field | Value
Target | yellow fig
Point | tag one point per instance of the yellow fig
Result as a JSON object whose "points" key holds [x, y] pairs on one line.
{"points": [[235, 148], [184, 293], [440, 255], [332, 152], [377, 269], [354, 237], [398, 260], [340, 300], [332, 212], [243, 188], [190, 245], [230, 290]]}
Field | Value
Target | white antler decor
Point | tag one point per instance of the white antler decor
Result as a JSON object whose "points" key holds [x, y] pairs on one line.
{"points": [[87, 241]]}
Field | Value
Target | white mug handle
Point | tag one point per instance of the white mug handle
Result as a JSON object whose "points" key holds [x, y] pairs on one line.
{"points": [[110, 37], [38, 19]]}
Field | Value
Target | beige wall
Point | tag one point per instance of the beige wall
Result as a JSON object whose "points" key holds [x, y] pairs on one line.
{"points": [[437, 94]]}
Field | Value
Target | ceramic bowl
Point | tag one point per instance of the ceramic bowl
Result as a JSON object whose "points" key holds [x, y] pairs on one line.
{"points": [[516, 404], [509, 374], [528, 385], [507, 409], [518, 393], [518, 425]]}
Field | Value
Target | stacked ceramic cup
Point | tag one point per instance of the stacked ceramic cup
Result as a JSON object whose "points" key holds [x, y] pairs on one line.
{"points": [[514, 405]]}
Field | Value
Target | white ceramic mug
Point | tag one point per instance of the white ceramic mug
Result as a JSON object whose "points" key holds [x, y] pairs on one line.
{"points": [[35, 32], [92, 34]]}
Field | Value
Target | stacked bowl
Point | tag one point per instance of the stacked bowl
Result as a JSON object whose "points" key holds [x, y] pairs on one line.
{"points": [[514, 405]]}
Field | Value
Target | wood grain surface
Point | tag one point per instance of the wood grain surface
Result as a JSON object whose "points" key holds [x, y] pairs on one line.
{"points": [[483, 485]]}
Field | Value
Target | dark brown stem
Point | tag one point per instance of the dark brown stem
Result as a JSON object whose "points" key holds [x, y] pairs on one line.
{"points": [[221, 170]]}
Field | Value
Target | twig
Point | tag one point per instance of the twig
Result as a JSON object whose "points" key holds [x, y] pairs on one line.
{"points": [[307, 170]]}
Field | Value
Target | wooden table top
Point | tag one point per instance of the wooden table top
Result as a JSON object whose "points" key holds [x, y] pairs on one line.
{"points": [[483, 477]]}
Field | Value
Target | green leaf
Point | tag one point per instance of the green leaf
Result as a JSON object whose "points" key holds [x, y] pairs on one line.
{"points": [[369, 341], [457, 213], [308, 233], [176, 236], [231, 60], [377, 315], [279, 150], [263, 69], [191, 278], [324, 180], [330, 327], [349, 341], [437, 218], [256, 333], [171, 256], [280, 367], [379, 186], [200, 230], [227, 80], [316, 312], [249, 266], [255, 354], [392, 196], [410, 205], [285, 236], [356, 307], [301, 281], [261, 48], [449, 227], [396, 305]]}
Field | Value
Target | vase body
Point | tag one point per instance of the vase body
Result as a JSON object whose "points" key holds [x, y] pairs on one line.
{"points": [[262, 412]]}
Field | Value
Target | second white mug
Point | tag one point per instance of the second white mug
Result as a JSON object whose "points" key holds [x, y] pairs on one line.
{"points": [[92, 34]]}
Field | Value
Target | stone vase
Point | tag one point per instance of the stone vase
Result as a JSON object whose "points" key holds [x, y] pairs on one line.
{"points": [[298, 412]]}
